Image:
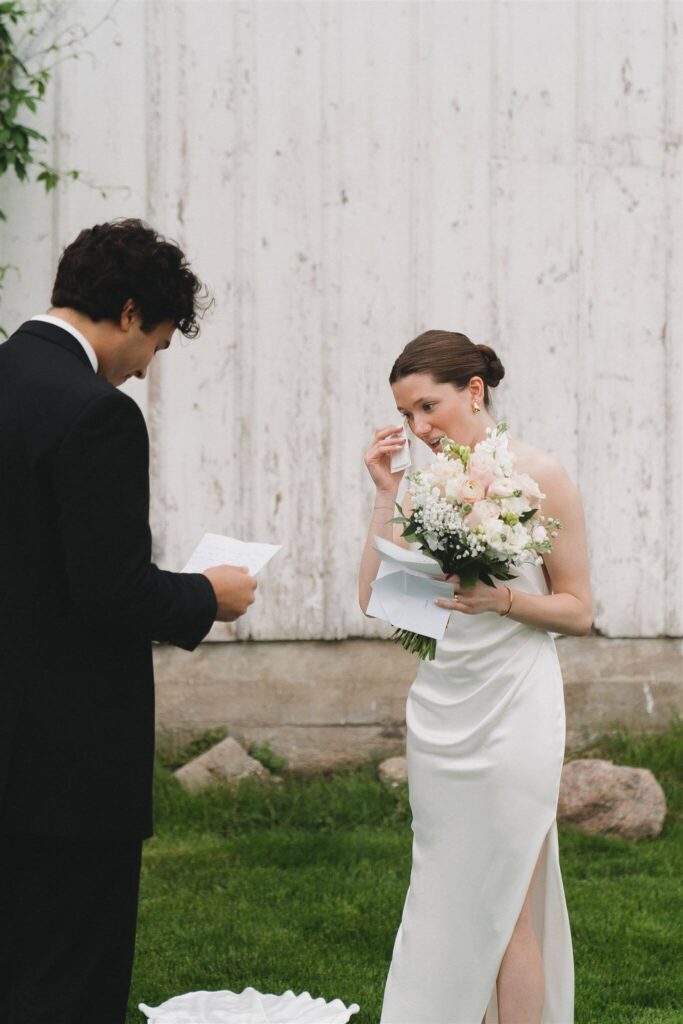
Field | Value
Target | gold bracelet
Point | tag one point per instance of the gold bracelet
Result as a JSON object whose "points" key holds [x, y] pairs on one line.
{"points": [[507, 612]]}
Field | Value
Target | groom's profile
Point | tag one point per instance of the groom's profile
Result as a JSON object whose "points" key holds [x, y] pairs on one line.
{"points": [[80, 604]]}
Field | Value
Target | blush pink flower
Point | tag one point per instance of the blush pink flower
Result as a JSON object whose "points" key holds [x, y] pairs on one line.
{"points": [[471, 490], [501, 487], [443, 472], [482, 467], [530, 489], [481, 511]]}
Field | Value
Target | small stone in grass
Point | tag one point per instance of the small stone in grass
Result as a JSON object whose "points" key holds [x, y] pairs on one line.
{"points": [[394, 771], [226, 762]]}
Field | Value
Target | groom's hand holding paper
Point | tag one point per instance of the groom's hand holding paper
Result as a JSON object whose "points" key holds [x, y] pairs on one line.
{"points": [[234, 588], [404, 591], [230, 566]]}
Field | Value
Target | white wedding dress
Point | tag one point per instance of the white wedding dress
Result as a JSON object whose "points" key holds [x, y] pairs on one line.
{"points": [[486, 735]]}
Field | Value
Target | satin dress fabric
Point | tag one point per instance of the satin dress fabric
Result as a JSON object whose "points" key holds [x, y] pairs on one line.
{"points": [[485, 747]]}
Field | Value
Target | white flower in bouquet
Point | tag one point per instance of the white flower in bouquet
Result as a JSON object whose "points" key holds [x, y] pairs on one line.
{"points": [[496, 445]]}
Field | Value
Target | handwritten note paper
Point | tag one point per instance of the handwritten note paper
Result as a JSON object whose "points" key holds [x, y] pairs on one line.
{"points": [[215, 549]]}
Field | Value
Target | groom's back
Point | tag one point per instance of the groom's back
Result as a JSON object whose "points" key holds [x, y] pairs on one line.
{"points": [[43, 388], [65, 681]]}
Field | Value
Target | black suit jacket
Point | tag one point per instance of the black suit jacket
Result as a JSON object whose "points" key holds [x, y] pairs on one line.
{"points": [[80, 600]]}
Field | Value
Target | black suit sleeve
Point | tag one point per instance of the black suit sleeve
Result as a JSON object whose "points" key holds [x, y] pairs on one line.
{"points": [[101, 479]]}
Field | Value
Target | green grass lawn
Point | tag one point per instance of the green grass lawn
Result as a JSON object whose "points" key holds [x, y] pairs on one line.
{"points": [[301, 886]]}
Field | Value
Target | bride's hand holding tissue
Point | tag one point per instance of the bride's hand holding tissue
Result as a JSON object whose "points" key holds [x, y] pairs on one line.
{"points": [[387, 442]]}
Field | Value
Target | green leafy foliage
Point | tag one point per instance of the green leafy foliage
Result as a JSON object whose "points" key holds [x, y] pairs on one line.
{"points": [[268, 758], [24, 78], [21, 90]]}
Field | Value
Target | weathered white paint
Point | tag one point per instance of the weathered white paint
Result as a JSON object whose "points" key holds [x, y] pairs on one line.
{"points": [[345, 175]]}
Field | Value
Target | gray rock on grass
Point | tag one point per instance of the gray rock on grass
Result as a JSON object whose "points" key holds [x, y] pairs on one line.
{"points": [[225, 762], [394, 771], [602, 798]]}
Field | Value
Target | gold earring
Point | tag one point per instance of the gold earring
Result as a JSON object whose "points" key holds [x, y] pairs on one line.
{"points": [[476, 407]]}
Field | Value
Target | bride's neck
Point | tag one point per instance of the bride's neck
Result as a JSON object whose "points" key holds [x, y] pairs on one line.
{"points": [[479, 428]]}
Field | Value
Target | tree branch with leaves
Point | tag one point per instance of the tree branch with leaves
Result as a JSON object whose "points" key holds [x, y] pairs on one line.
{"points": [[21, 89], [31, 45]]}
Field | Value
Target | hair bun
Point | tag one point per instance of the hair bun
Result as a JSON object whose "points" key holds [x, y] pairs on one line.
{"points": [[495, 371]]}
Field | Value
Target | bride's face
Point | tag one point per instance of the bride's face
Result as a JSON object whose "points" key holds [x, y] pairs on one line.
{"points": [[436, 410]]}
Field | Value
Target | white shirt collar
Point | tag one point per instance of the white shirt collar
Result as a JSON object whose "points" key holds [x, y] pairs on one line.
{"points": [[87, 347]]}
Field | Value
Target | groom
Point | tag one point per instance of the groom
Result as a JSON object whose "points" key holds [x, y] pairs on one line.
{"points": [[80, 603]]}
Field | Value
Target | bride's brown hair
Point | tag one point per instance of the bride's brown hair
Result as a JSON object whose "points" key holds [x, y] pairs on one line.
{"points": [[450, 358]]}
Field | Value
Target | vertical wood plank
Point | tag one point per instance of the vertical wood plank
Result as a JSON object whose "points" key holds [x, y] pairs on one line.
{"points": [[623, 363], [191, 161], [282, 346], [672, 527], [100, 127], [453, 204], [536, 246]]}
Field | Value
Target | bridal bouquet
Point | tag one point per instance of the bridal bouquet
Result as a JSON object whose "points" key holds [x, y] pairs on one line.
{"points": [[476, 516]]}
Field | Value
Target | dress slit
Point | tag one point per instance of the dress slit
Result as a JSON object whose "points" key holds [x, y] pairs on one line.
{"points": [[490, 1013]]}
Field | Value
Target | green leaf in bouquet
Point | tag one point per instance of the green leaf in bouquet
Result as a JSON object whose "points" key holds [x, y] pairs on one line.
{"points": [[469, 574], [485, 578], [452, 450], [525, 516], [503, 574], [423, 646]]}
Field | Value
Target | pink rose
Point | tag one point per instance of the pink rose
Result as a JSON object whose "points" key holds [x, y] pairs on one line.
{"points": [[530, 489], [482, 467], [502, 487], [481, 511]]}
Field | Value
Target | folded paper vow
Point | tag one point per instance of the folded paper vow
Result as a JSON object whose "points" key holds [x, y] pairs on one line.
{"points": [[215, 549], [404, 591], [407, 558]]}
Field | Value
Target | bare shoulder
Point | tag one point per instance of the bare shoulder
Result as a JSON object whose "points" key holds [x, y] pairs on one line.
{"points": [[546, 469]]}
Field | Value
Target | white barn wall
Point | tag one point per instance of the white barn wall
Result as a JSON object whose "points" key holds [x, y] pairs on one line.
{"points": [[345, 175]]}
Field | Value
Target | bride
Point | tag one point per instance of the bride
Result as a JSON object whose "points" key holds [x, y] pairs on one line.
{"points": [[485, 933]]}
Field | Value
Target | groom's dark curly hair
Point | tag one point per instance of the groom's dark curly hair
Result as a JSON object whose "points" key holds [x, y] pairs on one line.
{"points": [[126, 259]]}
